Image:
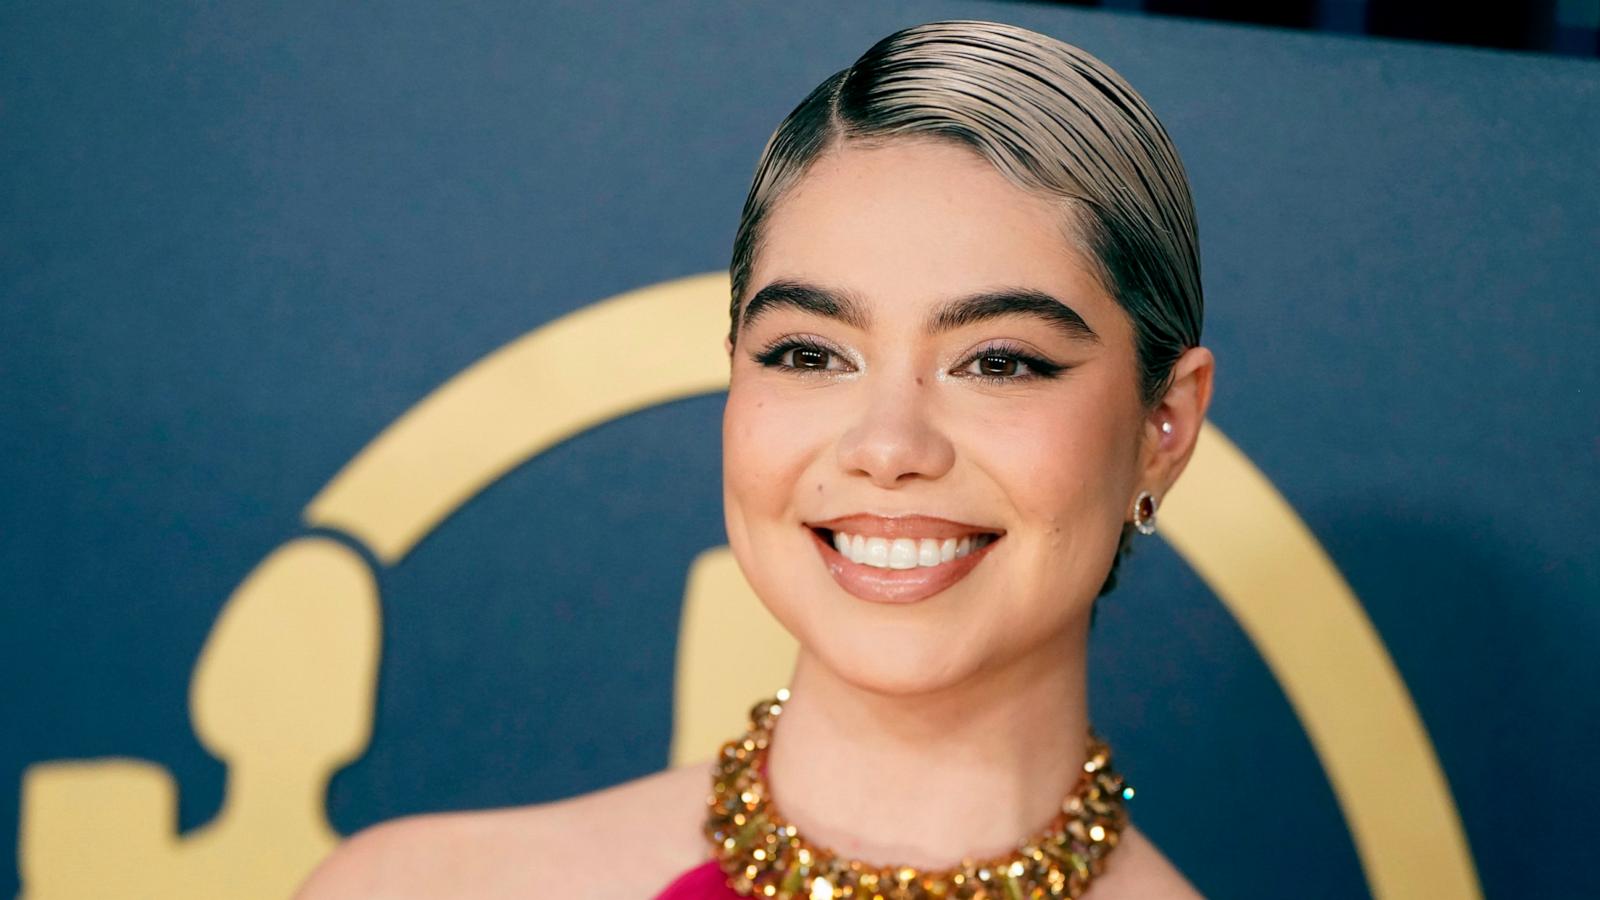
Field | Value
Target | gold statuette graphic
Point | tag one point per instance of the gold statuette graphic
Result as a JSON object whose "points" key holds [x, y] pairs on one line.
{"points": [[283, 690], [283, 694]]}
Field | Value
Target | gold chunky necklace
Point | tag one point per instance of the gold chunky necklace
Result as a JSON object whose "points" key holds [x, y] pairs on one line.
{"points": [[764, 856]]}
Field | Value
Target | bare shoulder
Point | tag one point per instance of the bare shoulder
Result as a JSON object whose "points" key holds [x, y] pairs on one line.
{"points": [[521, 851], [1137, 870], [423, 855]]}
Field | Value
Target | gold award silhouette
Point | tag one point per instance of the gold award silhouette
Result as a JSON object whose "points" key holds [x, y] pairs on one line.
{"points": [[283, 689]]}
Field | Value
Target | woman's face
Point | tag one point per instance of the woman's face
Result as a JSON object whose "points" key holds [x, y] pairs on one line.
{"points": [[929, 376]]}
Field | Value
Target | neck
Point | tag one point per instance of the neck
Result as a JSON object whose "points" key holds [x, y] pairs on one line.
{"points": [[968, 770]]}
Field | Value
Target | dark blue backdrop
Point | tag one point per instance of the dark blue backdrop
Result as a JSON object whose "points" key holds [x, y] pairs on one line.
{"points": [[237, 240]]}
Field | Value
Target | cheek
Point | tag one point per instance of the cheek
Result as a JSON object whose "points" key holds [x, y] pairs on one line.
{"points": [[1060, 461], [765, 454], [769, 454], [1066, 469]]}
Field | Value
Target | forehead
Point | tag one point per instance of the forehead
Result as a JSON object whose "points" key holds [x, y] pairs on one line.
{"points": [[912, 221]]}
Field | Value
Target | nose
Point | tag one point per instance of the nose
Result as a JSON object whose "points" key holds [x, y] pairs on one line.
{"points": [[894, 440]]}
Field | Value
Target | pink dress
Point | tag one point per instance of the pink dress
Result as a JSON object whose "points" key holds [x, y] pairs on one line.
{"points": [[703, 882]]}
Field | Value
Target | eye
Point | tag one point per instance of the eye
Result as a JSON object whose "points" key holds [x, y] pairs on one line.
{"points": [[807, 358], [801, 355], [1004, 363], [999, 365]]}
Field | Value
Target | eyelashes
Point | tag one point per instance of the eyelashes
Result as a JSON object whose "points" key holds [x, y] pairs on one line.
{"points": [[1002, 362], [800, 354], [998, 362]]}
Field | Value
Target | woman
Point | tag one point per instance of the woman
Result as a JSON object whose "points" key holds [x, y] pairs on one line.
{"points": [[965, 368]]}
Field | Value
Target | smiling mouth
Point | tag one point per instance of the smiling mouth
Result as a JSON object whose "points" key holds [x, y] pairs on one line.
{"points": [[903, 552], [903, 563]]}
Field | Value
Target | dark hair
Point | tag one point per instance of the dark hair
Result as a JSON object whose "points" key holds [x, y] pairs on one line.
{"points": [[1053, 120]]}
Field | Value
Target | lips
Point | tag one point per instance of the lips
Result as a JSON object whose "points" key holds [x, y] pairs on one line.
{"points": [[902, 559], [892, 527]]}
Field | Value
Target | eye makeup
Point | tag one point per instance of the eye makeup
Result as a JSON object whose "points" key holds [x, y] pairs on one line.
{"points": [[1011, 357], [799, 353], [996, 362]]}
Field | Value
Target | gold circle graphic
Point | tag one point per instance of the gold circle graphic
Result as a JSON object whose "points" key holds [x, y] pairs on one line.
{"points": [[1225, 519]]}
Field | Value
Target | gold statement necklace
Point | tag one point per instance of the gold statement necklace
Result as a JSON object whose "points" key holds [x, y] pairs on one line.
{"points": [[765, 856]]}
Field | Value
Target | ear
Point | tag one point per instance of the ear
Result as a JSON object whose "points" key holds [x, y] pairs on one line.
{"points": [[1165, 454], [727, 344]]}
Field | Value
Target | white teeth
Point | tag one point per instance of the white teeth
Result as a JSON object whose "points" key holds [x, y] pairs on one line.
{"points": [[905, 553], [877, 552]]}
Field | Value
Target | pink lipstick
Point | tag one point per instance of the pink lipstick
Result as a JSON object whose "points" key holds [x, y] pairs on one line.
{"points": [[899, 559]]}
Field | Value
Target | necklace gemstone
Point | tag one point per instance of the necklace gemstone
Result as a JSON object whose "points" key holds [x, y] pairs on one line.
{"points": [[763, 855]]}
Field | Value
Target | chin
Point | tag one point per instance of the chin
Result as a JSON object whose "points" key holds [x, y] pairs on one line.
{"points": [[893, 675], [885, 651], [887, 681]]}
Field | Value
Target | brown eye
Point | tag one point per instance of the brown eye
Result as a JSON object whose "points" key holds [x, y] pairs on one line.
{"points": [[796, 355], [1004, 365], [997, 366], [810, 358]]}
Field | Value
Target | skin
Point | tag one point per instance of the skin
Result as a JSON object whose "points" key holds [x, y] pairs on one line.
{"points": [[915, 732]]}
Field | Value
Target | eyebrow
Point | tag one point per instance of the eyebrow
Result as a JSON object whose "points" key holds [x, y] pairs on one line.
{"points": [[962, 311], [806, 298], [1012, 302]]}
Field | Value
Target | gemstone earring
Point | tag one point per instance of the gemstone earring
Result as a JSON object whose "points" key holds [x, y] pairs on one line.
{"points": [[1144, 513]]}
